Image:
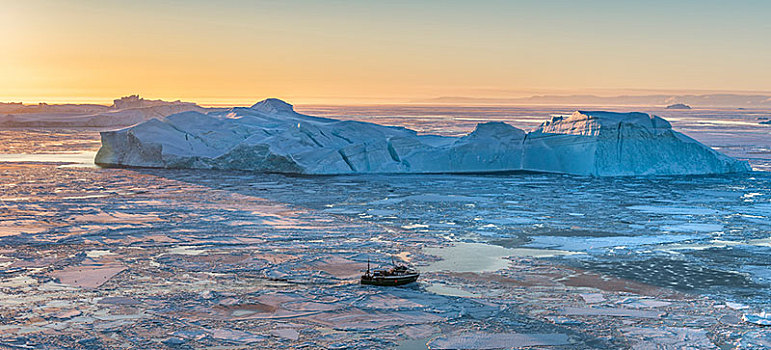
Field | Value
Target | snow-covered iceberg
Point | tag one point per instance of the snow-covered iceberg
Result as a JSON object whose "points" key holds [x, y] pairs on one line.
{"points": [[271, 137]]}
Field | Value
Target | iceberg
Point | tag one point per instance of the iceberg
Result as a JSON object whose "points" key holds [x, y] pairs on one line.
{"points": [[620, 144], [125, 111], [271, 137]]}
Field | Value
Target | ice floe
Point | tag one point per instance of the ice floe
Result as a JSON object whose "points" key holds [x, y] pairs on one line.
{"points": [[480, 257], [669, 338], [481, 340], [763, 318]]}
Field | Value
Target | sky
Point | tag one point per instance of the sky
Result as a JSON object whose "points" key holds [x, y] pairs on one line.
{"points": [[370, 51]]}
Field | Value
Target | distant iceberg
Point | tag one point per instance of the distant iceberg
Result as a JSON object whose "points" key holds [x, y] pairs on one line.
{"points": [[271, 137], [125, 111]]}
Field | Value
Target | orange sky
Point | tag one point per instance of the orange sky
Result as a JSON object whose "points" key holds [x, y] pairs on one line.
{"points": [[339, 51]]}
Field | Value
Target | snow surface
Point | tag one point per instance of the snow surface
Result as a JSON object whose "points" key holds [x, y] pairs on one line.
{"points": [[271, 137]]}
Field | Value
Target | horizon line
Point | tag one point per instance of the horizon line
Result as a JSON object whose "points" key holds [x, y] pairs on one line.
{"points": [[368, 100]]}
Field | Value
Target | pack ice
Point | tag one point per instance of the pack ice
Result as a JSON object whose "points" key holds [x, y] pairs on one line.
{"points": [[271, 137]]}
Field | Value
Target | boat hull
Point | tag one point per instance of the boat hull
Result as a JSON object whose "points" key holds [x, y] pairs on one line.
{"points": [[390, 280]]}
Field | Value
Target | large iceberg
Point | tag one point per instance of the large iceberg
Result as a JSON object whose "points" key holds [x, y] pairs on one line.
{"points": [[271, 137]]}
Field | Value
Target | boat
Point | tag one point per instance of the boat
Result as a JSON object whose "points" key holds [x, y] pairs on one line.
{"points": [[395, 276]]}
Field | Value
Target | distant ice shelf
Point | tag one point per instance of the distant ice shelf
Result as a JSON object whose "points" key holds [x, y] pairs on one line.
{"points": [[271, 137]]}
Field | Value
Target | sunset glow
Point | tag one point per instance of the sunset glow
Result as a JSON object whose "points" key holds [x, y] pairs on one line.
{"points": [[311, 52]]}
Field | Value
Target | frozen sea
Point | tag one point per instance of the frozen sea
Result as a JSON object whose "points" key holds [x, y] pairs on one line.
{"points": [[221, 249], [707, 234]]}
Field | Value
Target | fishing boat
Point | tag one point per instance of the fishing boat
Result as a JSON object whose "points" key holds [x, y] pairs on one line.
{"points": [[395, 276]]}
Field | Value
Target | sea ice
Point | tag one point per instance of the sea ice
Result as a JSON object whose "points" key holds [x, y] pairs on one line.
{"points": [[592, 298], [598, 243], [671, 210], [481, 340], [271, 137], [693, 227], [480, 257], [234, 335], [287, 333], [668, 338], [762, 318], [608, 311], [87, 276]]}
